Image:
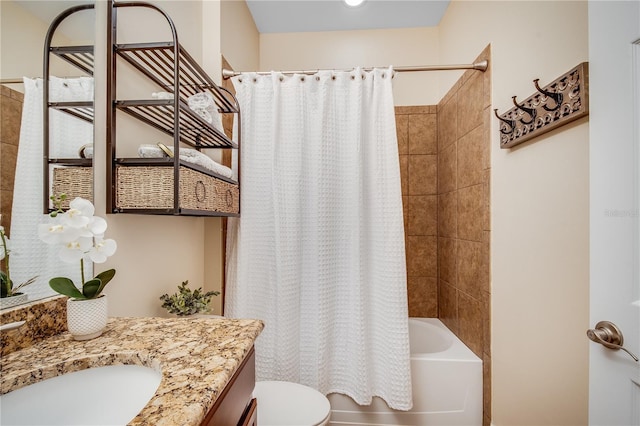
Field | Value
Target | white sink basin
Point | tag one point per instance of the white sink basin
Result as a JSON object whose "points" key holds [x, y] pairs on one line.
{"points": [[111, 395]]}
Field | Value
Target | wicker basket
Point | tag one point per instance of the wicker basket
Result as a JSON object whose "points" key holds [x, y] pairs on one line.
{"points": [[73, 181], [151, 187]]}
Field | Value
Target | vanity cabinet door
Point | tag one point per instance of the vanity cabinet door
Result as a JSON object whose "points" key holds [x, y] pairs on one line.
{"points": [[233, 406], [250, 417]]}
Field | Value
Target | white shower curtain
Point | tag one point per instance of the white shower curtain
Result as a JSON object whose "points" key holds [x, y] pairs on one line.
{"points": [[318, 253], [29, 255]]}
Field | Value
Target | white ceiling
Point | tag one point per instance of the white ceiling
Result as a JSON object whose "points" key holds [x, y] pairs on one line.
{"points": [[278, 16], [282, 16]]}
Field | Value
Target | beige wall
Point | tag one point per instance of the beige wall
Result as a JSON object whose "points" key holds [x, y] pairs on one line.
{"points": [[539, 218], [14, 63], [22, 42], [347, 49], [240, 40]]}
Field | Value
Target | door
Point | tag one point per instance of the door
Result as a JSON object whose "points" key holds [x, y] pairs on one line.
{"points": [[614, 127]]}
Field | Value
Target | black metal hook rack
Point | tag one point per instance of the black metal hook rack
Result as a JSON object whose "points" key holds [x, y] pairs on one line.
{"points": [[560, 102]]}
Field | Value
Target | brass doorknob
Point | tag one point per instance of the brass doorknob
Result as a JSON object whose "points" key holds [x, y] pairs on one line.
{"points": [[609, 335]]}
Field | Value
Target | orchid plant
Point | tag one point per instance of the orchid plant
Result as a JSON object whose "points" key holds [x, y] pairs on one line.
{"points": [[6, 284], [80, 236]]}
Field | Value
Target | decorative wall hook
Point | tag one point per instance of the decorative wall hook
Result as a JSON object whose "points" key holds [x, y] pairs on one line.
{"points": [[556, 96], [509, 125], [563, 100], [530, 111]]}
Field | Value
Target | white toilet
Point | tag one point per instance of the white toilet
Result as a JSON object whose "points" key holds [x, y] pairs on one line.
{"points": [[290, 404]]}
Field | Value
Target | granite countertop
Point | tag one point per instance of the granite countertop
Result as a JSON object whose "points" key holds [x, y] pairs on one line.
{"points": [[196, 356]]}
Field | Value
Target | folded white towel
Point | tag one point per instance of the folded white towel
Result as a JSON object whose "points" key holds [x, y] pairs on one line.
{"points": [[189, 155], [162, 95], [150, 151]]}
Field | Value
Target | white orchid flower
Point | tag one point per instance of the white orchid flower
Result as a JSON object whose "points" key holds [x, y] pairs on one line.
{"points": [[58, 233], [97, 226], [74, 218], [102, 249], [85, 207], [73, 251]]}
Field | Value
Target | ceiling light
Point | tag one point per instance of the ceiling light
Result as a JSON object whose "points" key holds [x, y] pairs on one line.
{"points": [[354, 3]]}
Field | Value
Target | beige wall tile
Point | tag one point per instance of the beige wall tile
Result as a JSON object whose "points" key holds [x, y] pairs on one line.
{"points": [[422, 261], [486, 199], [6, 201], [422, 215], [470, 104], [470, 212], [485, 272], [422, 293], [423, 174], [447, 260], [451, 93], [405, 213], [470, 151], [447, 169], [416, 109], [486, 385], [8, 166], [469, 267], [423, 134], [402, 132], [404, 174], [448, 306], [448, 214], [486, 138], [11, 112], [447, 123], [486, 322], [470, 316]]}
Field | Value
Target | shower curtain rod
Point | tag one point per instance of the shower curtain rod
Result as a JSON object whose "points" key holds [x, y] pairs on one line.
{"points": [[480, 66], [20, 80], [11, 81]]}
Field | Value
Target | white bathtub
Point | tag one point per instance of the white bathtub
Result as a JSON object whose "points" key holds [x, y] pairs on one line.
{"points": [[446, 382]]}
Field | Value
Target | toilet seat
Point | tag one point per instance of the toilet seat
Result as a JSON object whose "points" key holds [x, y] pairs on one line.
{"points": [[290, 404]]}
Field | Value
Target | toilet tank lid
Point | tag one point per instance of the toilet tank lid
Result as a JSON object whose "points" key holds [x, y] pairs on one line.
{"points": [[286, 403]]}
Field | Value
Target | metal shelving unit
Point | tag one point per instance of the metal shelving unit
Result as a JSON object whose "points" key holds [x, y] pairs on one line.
{"points": [[172, 69], [82, 58]]}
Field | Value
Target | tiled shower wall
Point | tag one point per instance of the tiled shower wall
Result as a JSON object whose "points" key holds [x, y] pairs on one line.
{"points": [[10, 113], [418, 148], [445, 167]]}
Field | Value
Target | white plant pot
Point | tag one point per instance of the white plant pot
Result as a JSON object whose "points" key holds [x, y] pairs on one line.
{"points": [[87, 319], [9, 302]]}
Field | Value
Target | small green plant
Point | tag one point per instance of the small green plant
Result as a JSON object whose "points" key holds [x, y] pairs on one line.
{"points": [[187, 302], [6, 283]]}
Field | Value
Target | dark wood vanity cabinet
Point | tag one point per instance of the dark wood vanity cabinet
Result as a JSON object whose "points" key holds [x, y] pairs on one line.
{"points": [[236, 406]]}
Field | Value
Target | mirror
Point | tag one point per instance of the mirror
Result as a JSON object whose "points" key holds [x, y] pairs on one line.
{"points": [[24, 24]]}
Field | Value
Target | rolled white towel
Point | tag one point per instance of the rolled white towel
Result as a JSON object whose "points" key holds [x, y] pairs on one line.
{"points": [[162, 95], [203, 104]]}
